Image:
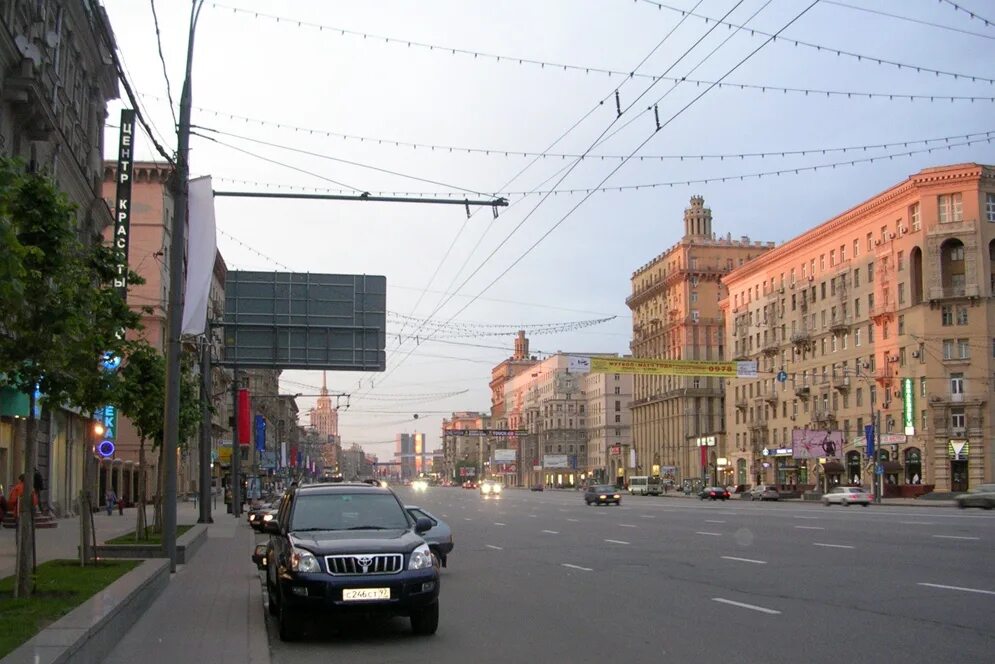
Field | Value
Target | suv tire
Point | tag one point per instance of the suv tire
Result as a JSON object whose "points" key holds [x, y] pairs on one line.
{"points": [[271, 604], [288, 624], [425, 622]]}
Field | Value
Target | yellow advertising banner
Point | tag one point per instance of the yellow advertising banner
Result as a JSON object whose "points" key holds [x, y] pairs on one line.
{"points": [[224, 454], [673, 367]]}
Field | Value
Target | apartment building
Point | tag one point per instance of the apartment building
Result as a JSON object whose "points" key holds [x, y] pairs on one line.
{"points": [[881, 315]]}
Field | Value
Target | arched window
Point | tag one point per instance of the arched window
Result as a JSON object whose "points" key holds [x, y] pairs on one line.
{"points": [[991, 266], [913, 466], [915, 266], [741, 471], [953, 273], [853, 467]]}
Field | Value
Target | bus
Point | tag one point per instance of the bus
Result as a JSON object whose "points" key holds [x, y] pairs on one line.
{"points": [[641, 485]]}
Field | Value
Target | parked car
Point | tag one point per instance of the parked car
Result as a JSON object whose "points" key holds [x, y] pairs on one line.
{"points": [[257, 514], [764, 492], [980, 496], [439, 536], [349, 548], [537, 487], [714, 493], [470, 484], [846, 495], [602, 494]]}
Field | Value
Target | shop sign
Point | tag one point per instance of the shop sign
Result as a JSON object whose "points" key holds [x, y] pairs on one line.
{"points": [[908, 406], [958, 450]]}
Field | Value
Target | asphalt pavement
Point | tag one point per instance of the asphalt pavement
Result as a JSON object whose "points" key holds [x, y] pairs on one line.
{"points": [[542, 577]]}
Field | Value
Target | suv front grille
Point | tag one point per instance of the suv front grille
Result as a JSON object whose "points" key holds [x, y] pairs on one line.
{"points": [[358, 564]]}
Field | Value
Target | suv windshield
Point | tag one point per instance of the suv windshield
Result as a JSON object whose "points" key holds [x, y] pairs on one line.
{"points": [[348, 511]]}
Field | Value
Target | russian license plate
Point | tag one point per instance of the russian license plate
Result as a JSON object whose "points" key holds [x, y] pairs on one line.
{"points": [[360, 594]]}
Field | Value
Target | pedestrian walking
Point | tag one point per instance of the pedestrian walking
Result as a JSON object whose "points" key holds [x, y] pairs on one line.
{"points": [[120, 506], [111, 499]]}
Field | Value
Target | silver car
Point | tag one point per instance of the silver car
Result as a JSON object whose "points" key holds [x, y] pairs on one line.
{"points": [[980, 496], [763, 492], [439, 538], [846, 495]]}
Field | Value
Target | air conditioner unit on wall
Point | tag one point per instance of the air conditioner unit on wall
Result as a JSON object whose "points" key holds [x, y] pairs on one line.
{"points": [[903, 230], [877, 243], [915, 353]]}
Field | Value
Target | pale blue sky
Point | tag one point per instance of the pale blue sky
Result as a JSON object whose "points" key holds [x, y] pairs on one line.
{"points": [[322, 80]]}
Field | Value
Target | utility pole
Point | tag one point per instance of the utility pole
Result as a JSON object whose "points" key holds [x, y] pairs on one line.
{"points": [[206, 389], [175, 310], [236, 450]]}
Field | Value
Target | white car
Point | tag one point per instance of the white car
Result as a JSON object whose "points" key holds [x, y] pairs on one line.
{"points": [[488, 488], [419, 485], [847, 495]]}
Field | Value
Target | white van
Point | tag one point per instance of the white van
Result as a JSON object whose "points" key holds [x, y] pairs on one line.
{"points": [[641, 485]]}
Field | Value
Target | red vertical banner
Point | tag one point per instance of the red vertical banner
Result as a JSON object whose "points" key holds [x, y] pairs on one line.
{"points": [[293, 456], [704, 456], [244, 424]]}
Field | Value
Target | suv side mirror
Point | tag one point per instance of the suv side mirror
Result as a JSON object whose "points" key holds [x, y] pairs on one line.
{"points": [[259, 556], [272, 527], [423, 525]]}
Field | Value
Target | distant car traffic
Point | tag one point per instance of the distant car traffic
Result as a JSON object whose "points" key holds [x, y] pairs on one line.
{"points": [[846, 495], [714, 493], [491, 488], [470, 484], [602, 494], [439, 537], [644, 486], [764, 492], [981, 496], [537, 487], [419, 485], [259, 515]]}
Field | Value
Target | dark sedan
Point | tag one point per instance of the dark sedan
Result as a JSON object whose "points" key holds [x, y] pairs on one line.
{"points": [[602, 494], [714, 493], [257, 516]]}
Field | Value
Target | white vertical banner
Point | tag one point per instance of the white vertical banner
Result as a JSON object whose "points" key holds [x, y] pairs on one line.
{"points": [[202, 247]]}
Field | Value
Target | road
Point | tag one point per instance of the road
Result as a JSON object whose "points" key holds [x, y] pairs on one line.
{"points": [[542, 577]]}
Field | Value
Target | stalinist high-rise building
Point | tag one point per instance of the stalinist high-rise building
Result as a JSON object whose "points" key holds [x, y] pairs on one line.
{"points": [[324, 418]]}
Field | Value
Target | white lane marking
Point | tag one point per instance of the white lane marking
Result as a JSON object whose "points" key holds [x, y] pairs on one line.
{"points": [[583, 569], [967, 590], [727, 513], [834, 546], [917, 523], [616, 541], [700, 532], [647, 516], [807, 517], [563, 510], [552, 532], [496, 548], [498, 523], [466, 518], [752, 607], [711, 521], [533, 516], [445, 515], [745, 560], [956, 537], [627, 525], [810, 527], [574, 520]]}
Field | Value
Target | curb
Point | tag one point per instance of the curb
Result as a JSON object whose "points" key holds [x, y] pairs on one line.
{"points": [[91, 630], [186, 545]]}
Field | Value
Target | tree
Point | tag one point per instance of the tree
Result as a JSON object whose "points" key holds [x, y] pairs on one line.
{"points": [[60, 317]]}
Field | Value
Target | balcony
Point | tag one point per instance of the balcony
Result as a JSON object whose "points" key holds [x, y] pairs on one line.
{"points": [[884, 376], [741, 403], [842, 384], [770, 397], [770, 348], [825, 381], [802, 390], [840, 324], [759, 424], [881, 311], [824, 416], [970, 291]]}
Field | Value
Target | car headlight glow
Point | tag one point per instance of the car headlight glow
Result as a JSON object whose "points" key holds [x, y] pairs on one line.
{"points": [[421, 557], [302, 560], [497, 488], [268, 517], [485, 488]]}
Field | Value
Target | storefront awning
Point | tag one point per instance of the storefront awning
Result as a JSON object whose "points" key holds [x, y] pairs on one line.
{"points": [[834, 468], [891, 467]]}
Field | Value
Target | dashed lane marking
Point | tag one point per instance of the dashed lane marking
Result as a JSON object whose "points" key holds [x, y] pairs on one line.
{"points": [[810, 527], [745, 560], [752, 607], [583, 569], [611, 541], [701, 532], [552, 532], [956, 537], [961, 588], [496, 548], [834, 546]]}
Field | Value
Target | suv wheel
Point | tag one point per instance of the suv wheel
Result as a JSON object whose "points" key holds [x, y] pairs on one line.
{"points": [[425, 622], [271, 605], [288, 622]]}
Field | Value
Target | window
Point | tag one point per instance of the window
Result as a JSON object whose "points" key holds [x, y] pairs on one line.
{"points": [[856, 248], [914, 217], [618, 406], [856, 338], [922, 386], [842, 253], [856, 276], [860, 397], [832, 258], [957, 383], [901, 293], [901, 324], [856, 308], [958, 421], [618, 418], [901, 260], [963, 349], [946, 315], [961, 314], [694, 298], [951, 208], [870, 273], [870, 333], [990, 207], [822, 263], [948, 349], [870, 243], [901, 356]]}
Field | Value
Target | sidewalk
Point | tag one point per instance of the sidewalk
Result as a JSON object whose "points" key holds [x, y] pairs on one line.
{"points": [[63, 541], [913, 502], [212, 610]]}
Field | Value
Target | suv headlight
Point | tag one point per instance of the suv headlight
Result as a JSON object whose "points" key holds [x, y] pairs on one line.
{"points": [[496, 488], [421, 558], [302, 560]]}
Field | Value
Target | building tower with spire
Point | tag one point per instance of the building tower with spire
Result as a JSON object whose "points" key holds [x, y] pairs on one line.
{"points": [[325, 418]]}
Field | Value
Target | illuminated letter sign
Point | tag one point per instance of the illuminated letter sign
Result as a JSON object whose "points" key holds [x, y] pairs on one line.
{"points": [[909, 406], [122, 205]]}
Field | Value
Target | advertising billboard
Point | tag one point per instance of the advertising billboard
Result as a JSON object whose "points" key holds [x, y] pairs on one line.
{"points": [[812, 443], [504, 456], [555, 461]]}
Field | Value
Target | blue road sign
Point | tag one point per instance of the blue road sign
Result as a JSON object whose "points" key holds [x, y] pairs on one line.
{"points": [[869, 433], [879, 469], [782, 376]]}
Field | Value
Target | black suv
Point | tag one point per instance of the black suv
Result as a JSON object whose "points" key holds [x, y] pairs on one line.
{"points": [[349, 548]]}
